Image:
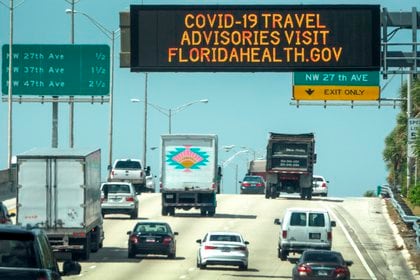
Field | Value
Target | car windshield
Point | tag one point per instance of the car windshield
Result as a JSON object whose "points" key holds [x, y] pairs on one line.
{"points": [[113, 188], [252, 179], [317, 179], [225, 238], [127, 164], [322, 257], [145, 228]]}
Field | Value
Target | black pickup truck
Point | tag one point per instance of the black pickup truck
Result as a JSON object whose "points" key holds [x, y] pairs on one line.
{"points": [[25, 253]]}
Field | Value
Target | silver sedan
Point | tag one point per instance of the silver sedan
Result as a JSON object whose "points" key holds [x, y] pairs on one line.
{"points": [[223, 248]]}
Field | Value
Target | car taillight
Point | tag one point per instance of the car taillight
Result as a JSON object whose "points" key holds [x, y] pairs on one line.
{"points": [[284, 234], [324, 185], [134, 239], [129, 199], [245, 184], [329, 235], [341, 271], [103, 199], [208, 247], [112, 173], [260, 185], [141, 174], [304, 269], [167, 240]]}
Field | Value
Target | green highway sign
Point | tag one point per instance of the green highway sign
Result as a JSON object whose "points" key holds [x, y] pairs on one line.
{"points": [[366, 78], [57, 70]]}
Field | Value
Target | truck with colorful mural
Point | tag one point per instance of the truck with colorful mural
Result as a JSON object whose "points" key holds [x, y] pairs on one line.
{"points": [[190, 175], [289, 166]]}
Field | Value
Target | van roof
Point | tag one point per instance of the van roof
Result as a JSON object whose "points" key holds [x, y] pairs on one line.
{"points": [[303, 209]]}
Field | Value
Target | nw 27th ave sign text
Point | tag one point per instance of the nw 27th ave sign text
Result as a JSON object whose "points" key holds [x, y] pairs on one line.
{"points": [[249, 38]]}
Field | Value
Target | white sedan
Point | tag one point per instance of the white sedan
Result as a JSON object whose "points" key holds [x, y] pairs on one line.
{"points": [[223, 248]]}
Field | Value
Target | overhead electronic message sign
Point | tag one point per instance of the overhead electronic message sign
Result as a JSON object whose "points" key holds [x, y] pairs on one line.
{"points": [[254, 38], [57, 70]]}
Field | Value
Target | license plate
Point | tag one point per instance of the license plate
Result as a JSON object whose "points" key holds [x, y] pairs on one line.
{"points": [[315, 235], [151, 240], [169, 196], [322, 273], [225, 249]]}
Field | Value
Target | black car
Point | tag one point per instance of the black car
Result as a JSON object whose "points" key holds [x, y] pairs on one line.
{"points": [[4, 214], [26, 254], [321, 264], [156, 238], [252, 185]]}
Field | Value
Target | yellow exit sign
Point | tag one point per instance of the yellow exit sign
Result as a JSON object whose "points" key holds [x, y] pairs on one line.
{"points": [[325, 92]]}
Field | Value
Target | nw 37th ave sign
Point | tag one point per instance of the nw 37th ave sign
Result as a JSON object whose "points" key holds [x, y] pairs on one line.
{"points": [[336, 86], [254, 38]]}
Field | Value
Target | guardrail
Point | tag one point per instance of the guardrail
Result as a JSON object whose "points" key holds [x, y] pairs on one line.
{"points": [[415, 220]]}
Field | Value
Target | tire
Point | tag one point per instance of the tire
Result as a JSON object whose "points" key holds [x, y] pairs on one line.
{"points": [[283, 255], [211, 212], [267, 195], [164, 211], [172, 255], [203, 212], [85, 254], [131, 254], [202, 266], [134, 214], [171, 211], [243, 267]]}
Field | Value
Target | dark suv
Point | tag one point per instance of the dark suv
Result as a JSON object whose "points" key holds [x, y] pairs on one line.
{"points": [[27, 254]]}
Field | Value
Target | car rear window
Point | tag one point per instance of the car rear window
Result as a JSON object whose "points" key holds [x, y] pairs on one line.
{"points": [[228, 238], [152, 228], [127, 164], [316, 220], [322, 257], [317, 179], [252, 179], [17, 251], [112, 188], [298, 219]]}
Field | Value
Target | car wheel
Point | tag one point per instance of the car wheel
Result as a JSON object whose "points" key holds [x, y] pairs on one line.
{"points": [[203, 212], [134, 214], [243, 267], [164, 211], [172, 255], [202, 266], [283, 255], [131, 254]]}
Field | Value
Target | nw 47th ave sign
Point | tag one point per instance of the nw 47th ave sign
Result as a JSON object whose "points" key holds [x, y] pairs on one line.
{"points": [[336, 86], [57, 70]]}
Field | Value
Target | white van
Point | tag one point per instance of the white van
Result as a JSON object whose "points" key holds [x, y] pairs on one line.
{"points": [[304, 228]]}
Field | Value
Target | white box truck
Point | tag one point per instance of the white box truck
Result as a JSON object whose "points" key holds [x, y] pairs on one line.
{"points": [[59, 191], [190, 175]]}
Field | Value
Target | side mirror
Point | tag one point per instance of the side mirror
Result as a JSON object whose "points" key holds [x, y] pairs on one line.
{"points": [[11, 215], [71, 268], [348, 263], [198, 241], [240, 182], [246, 243], [277, 221], [333, 224], [176, 233], [129, 232]]}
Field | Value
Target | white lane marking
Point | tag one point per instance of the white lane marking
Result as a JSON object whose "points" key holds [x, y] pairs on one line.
{"points": [[92, 267], [182, 276], [353, 244], [191, 269]]}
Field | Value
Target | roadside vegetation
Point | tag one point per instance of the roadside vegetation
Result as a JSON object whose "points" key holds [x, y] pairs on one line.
{"points": [[395, 152]]}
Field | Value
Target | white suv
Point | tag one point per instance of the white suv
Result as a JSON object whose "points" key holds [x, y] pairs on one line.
{"points": [[304, 228]]}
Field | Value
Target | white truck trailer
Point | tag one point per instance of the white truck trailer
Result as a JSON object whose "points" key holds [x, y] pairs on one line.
{"points": [[190, 175], [59, 191]]}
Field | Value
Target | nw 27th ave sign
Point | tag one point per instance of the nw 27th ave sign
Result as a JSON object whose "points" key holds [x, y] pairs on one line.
{"points": [[254, 38]]}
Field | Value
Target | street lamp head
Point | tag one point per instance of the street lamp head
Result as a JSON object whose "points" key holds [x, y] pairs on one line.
{"points": [[204, 101], [69, 11], [135, 100]]}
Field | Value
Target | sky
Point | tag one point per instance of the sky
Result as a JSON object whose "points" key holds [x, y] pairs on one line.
{"points": [[242, 108]]}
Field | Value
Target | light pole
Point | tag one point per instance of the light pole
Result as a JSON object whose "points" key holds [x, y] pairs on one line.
{"points": [[111, 35], [172, 111]]}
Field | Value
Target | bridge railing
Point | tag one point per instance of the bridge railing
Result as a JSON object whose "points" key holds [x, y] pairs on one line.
{"points": [[408, 219]]}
